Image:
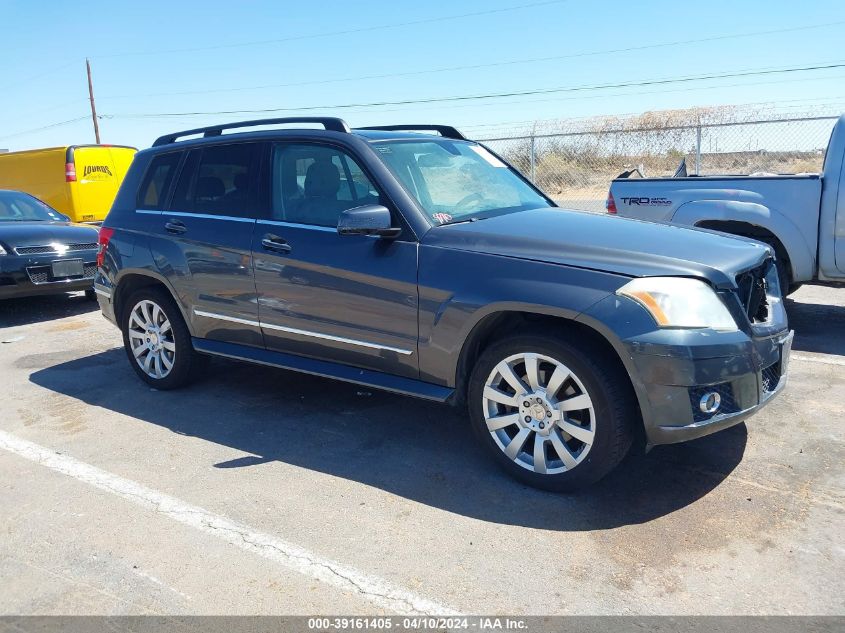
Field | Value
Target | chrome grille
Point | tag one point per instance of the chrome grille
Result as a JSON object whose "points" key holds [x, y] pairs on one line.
{"points": [[51, 248]]}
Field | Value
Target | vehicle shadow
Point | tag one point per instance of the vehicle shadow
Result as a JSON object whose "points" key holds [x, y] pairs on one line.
{"points": [[26, 310], [418, 450], [818, 327]]}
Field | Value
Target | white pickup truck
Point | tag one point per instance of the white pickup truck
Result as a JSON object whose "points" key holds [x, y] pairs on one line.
{"points": [[801, 216]]}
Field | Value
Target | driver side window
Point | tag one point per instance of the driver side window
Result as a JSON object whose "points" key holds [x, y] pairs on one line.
{"points": [[314, 184]]}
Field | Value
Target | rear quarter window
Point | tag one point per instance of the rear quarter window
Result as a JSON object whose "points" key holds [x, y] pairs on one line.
{"points": [[157, 180]]}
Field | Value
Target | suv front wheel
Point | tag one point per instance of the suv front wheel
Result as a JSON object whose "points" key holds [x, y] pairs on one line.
{"points": [[553, 414], [157, 340]]}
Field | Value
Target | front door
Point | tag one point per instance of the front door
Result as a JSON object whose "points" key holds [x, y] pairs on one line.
{"points": [[346, 299]]}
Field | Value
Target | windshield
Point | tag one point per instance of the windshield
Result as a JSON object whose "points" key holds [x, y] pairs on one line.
{"points": [[455, 181], [21, 207]]}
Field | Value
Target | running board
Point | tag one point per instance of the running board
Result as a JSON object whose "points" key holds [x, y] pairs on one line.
{"points": [[365, 377]]}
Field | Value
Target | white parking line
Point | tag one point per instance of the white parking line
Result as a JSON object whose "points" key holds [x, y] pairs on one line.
{"points": [[814, 359], [370, 588]]}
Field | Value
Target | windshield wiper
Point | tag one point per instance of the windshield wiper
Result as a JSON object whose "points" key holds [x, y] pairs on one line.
{"points": [[462, 221]]}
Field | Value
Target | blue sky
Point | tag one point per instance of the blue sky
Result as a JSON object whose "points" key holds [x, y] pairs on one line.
{"points": [[227, 56]]}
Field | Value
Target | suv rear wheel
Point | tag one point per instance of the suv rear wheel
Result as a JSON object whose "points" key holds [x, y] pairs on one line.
{"points": [[157, 340], [552, 414]]}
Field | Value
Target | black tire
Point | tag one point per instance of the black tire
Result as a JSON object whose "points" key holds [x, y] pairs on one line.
{"points": [[784, 275], [186, 363], [608, 386]]}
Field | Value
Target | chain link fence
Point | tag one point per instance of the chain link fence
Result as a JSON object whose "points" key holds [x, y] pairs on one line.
{"points": [[575, 164]]}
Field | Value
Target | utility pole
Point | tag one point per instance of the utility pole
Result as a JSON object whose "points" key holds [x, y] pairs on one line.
{"points": [[93, 107]]}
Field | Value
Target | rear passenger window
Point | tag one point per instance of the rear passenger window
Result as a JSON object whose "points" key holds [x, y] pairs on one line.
{"points": [[157, 181], [219, 180]]}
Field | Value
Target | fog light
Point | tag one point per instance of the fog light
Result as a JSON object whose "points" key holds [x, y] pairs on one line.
{"points": [[710, 402]]}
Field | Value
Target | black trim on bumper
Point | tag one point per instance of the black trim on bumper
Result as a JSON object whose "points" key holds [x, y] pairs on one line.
{"points": [[671, 377]]}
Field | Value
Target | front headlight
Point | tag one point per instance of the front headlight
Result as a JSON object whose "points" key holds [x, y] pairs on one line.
{"points": [[2, 250], [680, 302]]}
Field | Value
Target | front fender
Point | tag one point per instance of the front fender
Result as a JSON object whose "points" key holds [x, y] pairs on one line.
{"points": [[801, 256], [459, 289], [620, 320]]}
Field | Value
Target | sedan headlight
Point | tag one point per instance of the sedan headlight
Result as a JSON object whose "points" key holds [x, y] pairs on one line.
{"points": [[680, 302]]}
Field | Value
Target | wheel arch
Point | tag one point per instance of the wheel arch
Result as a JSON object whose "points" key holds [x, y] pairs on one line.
{"points": [[738, 216], [497, 325], [582, 329], [130, 281]]}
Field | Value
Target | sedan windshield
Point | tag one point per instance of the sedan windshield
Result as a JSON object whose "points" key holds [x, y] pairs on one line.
{"points": [[21, 207], [457, 181]]}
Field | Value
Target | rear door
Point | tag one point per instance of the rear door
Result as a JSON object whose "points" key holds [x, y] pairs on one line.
{"points": [[347, 299], [99, 171], [201, 239]]}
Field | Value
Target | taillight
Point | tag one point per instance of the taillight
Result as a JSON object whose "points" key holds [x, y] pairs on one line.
{"points": [[103, 243], [610, 205], [70, 172]]}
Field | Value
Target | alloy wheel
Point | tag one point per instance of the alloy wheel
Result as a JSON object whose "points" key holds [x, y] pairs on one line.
{"points": [[539, 413], [151, 339]]}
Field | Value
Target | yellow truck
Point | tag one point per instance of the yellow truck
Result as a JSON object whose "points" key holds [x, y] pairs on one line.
{"points": [[80, 181]]}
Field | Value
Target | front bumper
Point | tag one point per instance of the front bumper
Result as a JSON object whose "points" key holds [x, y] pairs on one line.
{"points": [[30, 275], [747, 375]]}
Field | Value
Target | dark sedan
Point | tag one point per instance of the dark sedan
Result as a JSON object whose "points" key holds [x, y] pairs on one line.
{"points": [[41, 251]]}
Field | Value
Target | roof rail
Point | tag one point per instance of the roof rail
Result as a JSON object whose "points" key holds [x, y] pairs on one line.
{"points": [[330, 123], [445, 130]]}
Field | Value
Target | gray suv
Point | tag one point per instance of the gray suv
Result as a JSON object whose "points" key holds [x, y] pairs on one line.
{"points": [[411, 259]]}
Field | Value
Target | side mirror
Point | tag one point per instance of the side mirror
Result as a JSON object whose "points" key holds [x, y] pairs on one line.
{"points": [[371, 219]]}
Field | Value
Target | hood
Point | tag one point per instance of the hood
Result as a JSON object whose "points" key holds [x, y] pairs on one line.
{"points": [[601, 242], [14, 234]]}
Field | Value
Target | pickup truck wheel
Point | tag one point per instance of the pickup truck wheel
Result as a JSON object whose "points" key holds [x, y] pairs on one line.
{"points": [[157, 340], [553, 415]]}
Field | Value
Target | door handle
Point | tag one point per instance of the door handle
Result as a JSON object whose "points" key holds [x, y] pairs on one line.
{"points": [[275, 243], [175, 226]]}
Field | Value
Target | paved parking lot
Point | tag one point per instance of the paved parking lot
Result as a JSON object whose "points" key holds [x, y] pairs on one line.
{"points": [[263, 491]]}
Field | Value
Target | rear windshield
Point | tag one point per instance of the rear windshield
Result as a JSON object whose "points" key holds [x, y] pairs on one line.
{"points": [[21, 207], [454, 181]]}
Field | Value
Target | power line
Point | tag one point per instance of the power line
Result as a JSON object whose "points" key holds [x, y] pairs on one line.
{"points": [[513, 62], [523, 102], [46, 127], [498, 95], [628, 94], [30, 78], [364, 29]]}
